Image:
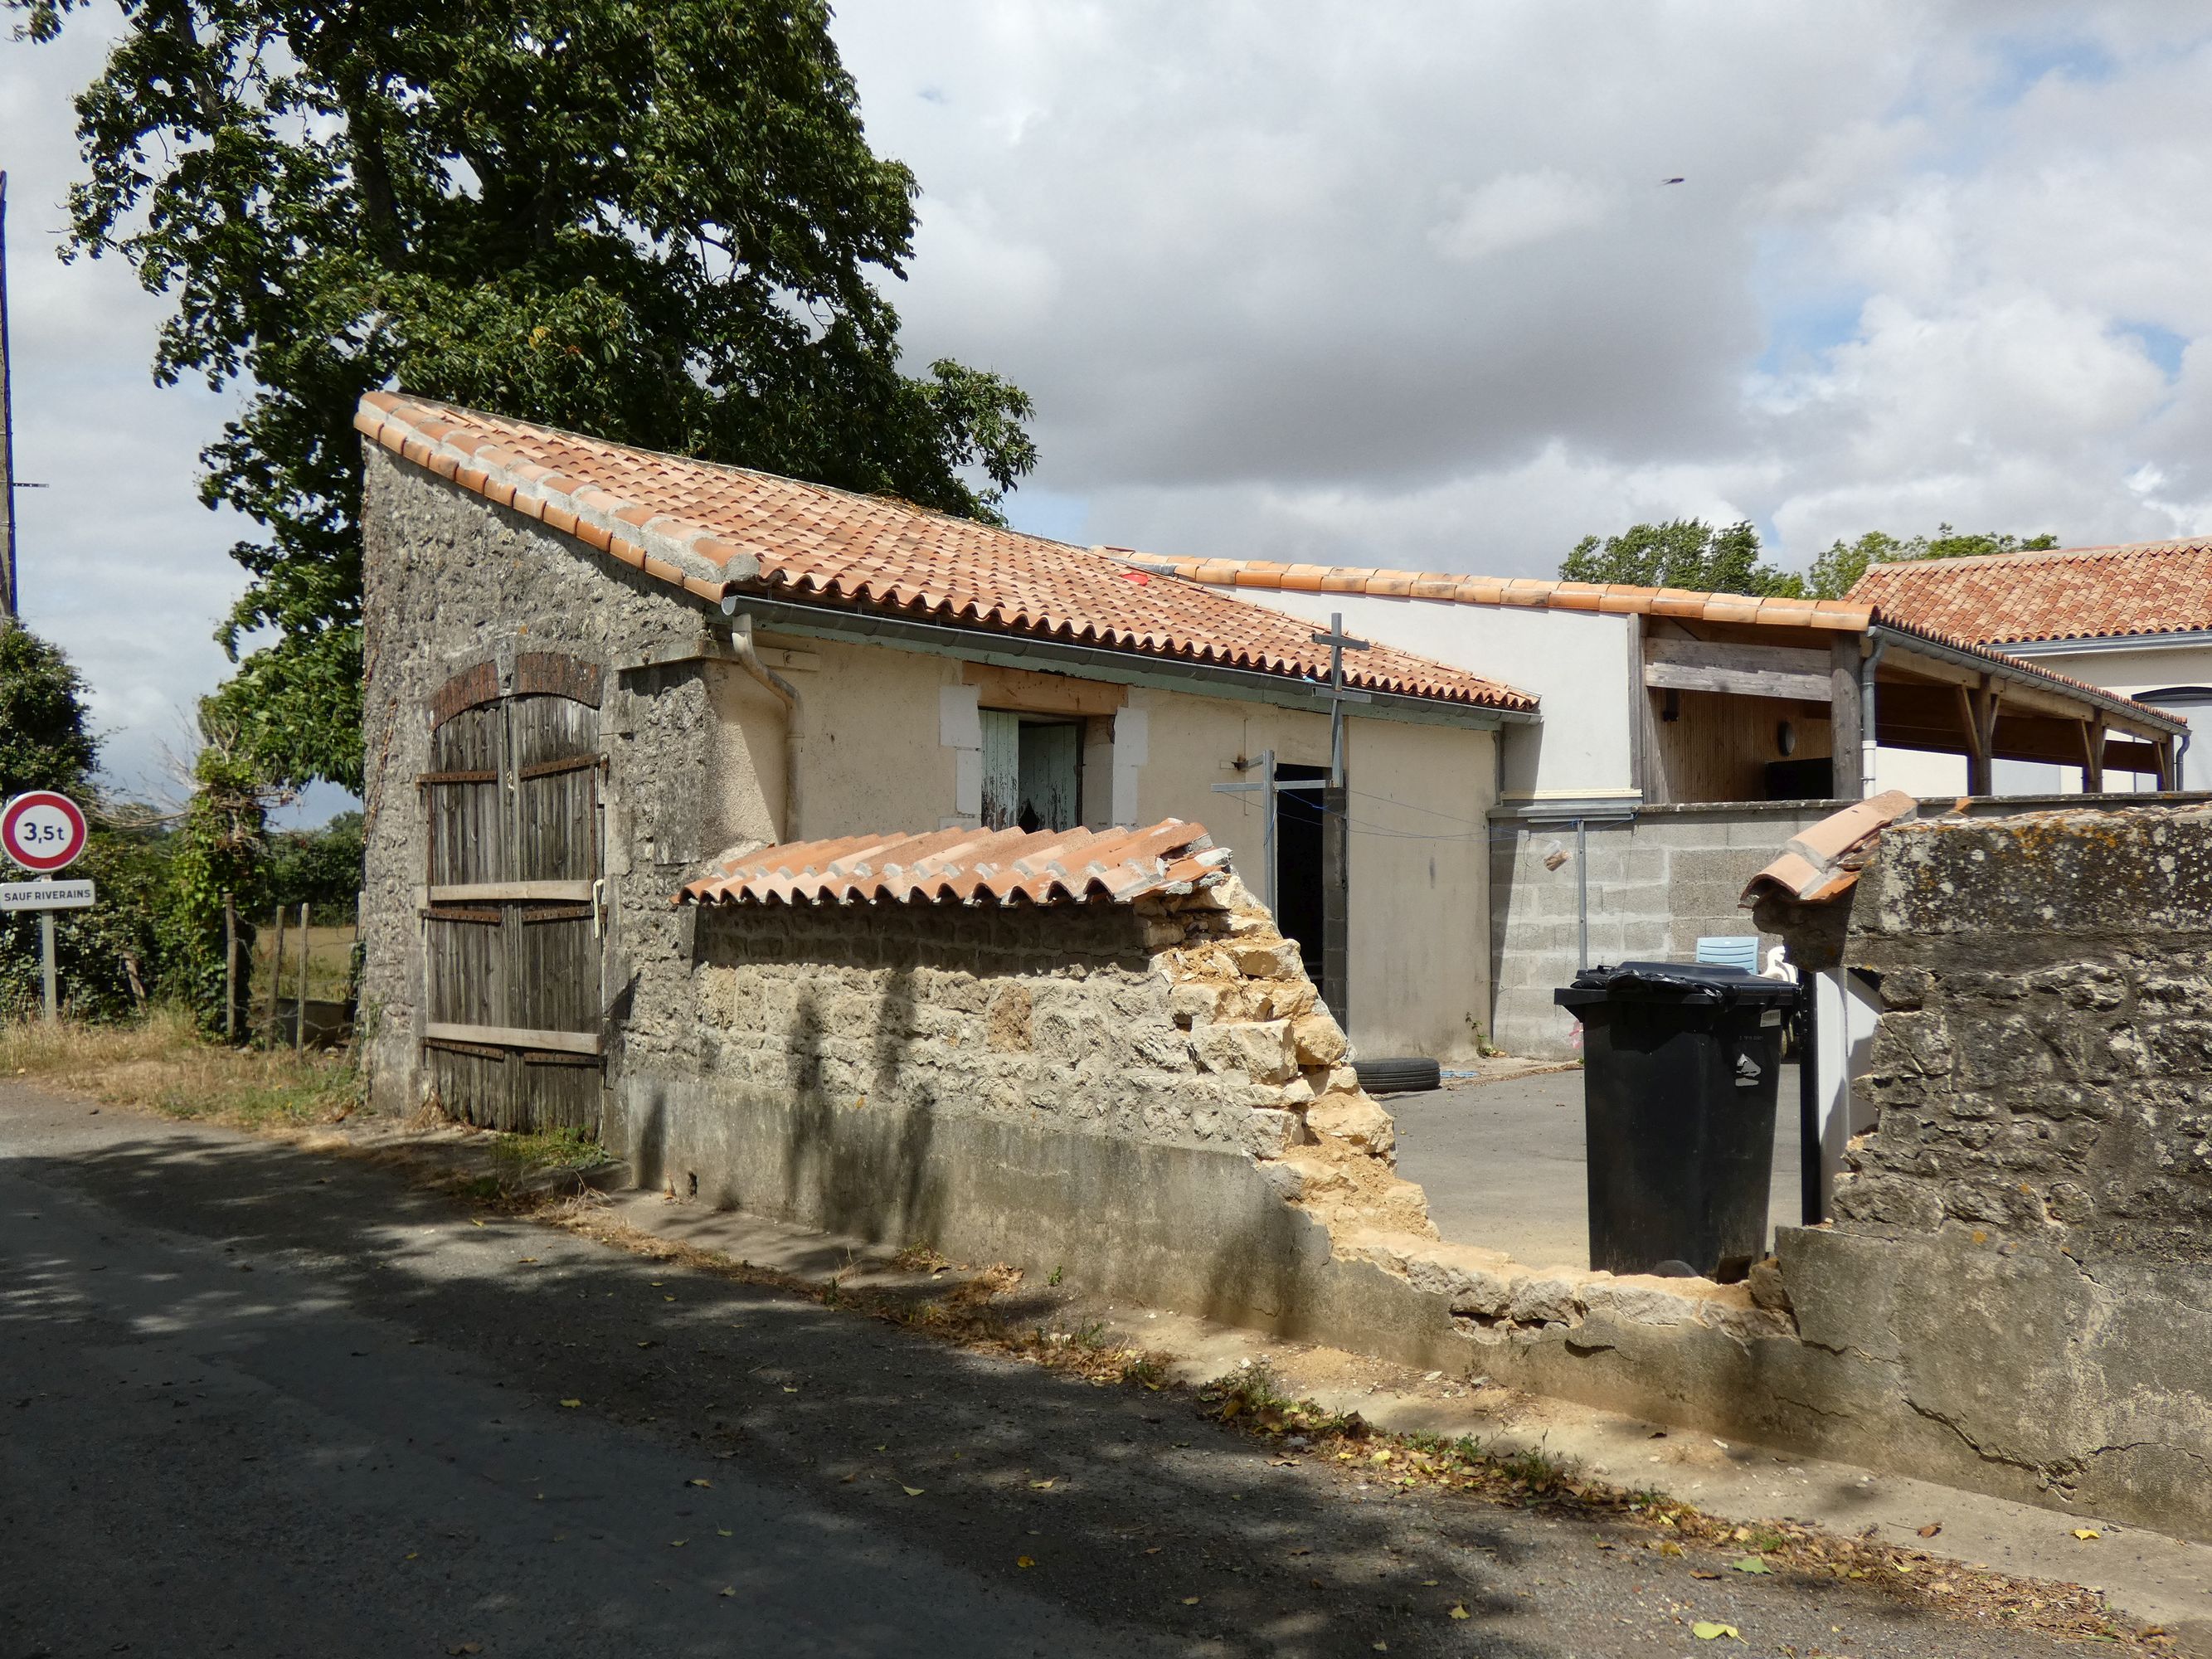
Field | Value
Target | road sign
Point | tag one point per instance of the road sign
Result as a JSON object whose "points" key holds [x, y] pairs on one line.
{"points": [[45, 895], [42, 831]]}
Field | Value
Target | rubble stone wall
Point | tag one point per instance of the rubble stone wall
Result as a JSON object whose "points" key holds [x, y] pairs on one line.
{"points": [[1148, 1096], [2044, 1063]]}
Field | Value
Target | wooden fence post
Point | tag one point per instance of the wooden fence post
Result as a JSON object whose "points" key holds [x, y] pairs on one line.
{"points": [[276, 972], [299, 1020]]}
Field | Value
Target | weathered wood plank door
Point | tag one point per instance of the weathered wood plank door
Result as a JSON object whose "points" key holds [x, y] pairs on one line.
{"points": [[512, 1032]]}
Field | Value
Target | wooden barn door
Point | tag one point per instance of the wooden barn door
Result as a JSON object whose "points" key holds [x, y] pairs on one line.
{"points": [[512, 1032]]}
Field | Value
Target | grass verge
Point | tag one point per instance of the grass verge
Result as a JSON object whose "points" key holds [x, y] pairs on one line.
{"points": [[162, 1064]]}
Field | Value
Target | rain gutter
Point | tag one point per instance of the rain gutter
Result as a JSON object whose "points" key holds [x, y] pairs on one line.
{"points": [[1093, 662]]}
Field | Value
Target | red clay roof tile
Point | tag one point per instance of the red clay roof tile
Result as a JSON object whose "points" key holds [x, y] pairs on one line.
{"points": [[734, 531], [964, 866], [2063, 593]]}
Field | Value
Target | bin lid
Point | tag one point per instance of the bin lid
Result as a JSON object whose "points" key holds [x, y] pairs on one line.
{"points": [[1704, 983]]}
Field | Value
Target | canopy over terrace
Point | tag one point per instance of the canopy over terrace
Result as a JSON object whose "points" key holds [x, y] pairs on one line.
{"points": [[1719, 670]]}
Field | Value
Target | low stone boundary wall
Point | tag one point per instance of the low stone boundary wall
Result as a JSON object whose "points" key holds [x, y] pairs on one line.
{"points": [[1148, 1098]]}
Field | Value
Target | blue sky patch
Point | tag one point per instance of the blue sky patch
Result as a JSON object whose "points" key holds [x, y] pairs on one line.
{"points": [[2161, 345]]}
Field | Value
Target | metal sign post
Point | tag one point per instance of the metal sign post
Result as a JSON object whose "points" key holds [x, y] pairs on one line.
{"points": [[44, 832], [46, 958]]}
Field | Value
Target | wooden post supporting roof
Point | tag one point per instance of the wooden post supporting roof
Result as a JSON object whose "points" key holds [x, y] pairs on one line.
{"points": [[1845, 731], [1977, 711], [2092, 757]]}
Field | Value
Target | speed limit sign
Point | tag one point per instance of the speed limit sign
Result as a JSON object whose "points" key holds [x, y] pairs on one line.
{"points": [[41, 831]]}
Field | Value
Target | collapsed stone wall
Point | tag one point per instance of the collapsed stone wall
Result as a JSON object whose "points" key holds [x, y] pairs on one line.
{"points": [[1185, 1023]]}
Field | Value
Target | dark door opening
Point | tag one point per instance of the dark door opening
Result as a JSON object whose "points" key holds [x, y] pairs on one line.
{"points": [[1301, 860]]}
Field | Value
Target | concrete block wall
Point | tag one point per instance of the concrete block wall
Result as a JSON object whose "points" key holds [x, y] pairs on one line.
{"points": [[1658, 883]]}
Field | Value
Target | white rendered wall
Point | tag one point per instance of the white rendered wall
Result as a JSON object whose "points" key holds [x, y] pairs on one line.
{"points": [[1579, 664]]}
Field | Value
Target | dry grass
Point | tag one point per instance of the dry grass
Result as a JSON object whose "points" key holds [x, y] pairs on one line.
{"points": [[330, 957], [162, 1064]]}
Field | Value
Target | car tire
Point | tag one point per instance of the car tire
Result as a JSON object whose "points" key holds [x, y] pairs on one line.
{"points": [[1398, 1077]]}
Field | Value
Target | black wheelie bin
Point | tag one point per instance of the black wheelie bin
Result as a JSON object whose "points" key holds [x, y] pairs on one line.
{"points": [[1680, 1064]]}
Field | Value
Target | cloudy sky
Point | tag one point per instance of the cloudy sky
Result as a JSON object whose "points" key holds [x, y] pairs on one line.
{"points": [[1393, 284]]}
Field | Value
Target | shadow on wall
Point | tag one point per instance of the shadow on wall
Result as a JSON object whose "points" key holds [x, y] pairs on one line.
{"points": [[862, 1180]]}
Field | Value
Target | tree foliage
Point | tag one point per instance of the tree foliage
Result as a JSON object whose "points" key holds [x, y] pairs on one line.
{"points": [[659, 223], [1704, 558], [1686, 553], [46, 738], [320, 868], [1837, 571], [217, 872]]}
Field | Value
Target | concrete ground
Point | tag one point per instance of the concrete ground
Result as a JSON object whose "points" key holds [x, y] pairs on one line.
{"points": [[1502, 1161], [260, 1400]]}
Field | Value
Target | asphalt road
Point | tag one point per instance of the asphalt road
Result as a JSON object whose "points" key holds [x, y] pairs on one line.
{"points": [[258, 1401], [1502, 1162]]}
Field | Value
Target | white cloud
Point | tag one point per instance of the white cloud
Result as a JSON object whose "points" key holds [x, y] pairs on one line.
{"points": [[1397, 284], [1515, 209]]}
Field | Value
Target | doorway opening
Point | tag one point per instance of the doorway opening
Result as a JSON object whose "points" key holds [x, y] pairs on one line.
{"points": [[1301, 868]]}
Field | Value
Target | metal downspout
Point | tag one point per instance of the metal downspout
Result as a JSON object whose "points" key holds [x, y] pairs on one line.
{"points": [[741, 644], [1869, 743], [1581, 891]]}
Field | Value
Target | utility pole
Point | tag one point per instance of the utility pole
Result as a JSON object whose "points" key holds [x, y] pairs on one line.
{"points": [[9, 605]]}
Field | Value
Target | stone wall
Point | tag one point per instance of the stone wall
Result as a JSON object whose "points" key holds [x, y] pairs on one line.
{"points": [[2043, 1064], [450, 581], [1658, 881], [1147, 1097]]}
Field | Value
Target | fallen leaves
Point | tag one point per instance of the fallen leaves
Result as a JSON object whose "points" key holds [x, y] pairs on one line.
{"points": [[572, 1404], [696, 1481], [1751, 1563], [914, 1492], [1706, 1630], [1190, 1601], [1040, 1485], [1458, 1611], [727, 1590], [1025, 1561], [1931, 1530], [2086, 1534]]}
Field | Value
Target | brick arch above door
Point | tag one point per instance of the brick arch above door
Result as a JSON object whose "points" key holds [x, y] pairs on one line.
{"points": [[529, 674]]}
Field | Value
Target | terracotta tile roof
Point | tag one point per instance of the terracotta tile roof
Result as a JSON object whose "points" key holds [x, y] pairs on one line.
{"points": [[2064, 594], [714, 530], [1851, 615], [1823, 861], [972, 867], [1615, 599]]}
